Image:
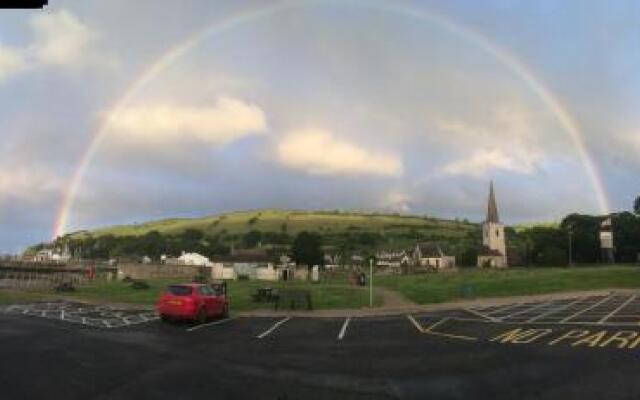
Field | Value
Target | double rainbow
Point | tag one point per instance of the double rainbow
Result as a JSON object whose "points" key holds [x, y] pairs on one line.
{"points": [[176, 52]]}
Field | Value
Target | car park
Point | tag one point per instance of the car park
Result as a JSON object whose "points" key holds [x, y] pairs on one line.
{"points": [[193, 301]]}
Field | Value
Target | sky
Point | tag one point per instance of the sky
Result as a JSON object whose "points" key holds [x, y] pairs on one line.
{"points": [[117, 112]]}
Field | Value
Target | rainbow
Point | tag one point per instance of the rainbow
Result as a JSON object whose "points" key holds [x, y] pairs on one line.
{"points": [[176, 52]]}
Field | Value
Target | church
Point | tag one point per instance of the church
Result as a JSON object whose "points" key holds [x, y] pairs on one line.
{"points": [[493, 253]]}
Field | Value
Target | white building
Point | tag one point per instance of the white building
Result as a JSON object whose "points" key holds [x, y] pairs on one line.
{"points": [[193, 259], [429, 255], [51, 255]]}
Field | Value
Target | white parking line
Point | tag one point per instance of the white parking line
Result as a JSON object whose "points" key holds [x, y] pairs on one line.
{"points": [[479, 314], [555, 310], [273, 328], [620, 307], [415, 323], [222, 321], [526, 310], [591, 307], [501, 309], [343, 330]]}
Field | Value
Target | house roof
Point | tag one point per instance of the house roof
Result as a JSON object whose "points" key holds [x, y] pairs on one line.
{"points": [[430, 250]]}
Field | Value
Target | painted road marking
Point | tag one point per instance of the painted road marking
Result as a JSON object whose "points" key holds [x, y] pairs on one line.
{"points": [[430, 331], [273, 328], [620, 307], [591, 307], [415, 323], [555, 310], [535, 307], [474, 312], [343, 330], [501, 309], [220, 322]]}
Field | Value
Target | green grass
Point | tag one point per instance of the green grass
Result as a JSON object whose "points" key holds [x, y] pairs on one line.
{"points": [[325, 295], [443, 287], [269, 220]]}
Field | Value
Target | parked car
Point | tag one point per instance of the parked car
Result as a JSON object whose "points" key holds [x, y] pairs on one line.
{"points": [[194, 301]]}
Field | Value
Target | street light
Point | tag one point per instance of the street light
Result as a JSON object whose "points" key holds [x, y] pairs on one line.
{"points": [[570, 230], [370, 281]]}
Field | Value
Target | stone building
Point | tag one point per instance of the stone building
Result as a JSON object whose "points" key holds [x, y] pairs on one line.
{"points": [[493, 253]]}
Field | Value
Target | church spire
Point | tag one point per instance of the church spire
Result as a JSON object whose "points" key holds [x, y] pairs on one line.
{"points": [[492, 211]]}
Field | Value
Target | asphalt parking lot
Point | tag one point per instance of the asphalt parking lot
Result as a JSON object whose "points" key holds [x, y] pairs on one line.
{"points": [[583, 348]]}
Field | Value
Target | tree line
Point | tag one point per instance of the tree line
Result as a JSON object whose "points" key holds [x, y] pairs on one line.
{"points": [[535, 246]]}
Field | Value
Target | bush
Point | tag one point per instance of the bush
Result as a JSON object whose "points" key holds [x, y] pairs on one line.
{"points": [[140, 285], [552, 256], [65, 287]]}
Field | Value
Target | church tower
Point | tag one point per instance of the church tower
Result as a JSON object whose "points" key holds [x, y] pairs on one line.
{"points": [[494, 249]]}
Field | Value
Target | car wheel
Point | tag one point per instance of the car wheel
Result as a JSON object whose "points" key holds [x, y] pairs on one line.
{"points": [[202, 316], [165, 318], [225, 311]]}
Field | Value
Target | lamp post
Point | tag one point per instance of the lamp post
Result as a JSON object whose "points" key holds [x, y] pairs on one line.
{"points": [[370, 281], [570, 247]]}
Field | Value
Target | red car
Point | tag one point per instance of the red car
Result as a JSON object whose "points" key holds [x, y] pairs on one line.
{"points": [[194, 301]]}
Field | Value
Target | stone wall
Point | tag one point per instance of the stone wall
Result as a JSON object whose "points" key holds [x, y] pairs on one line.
{"points": [[147, 271]]}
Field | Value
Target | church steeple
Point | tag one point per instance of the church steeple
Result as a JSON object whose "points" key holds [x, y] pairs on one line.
{"points": [[492, 210]]}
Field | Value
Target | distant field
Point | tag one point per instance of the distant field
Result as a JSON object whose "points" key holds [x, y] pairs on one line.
{"points": [[528, 225], [443, 287], [293, 222]]}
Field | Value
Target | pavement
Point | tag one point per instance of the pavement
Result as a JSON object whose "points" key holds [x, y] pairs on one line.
{"points": [[584, 347]]}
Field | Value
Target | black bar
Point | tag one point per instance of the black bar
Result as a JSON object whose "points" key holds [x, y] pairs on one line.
{"points": [[23, 3]]}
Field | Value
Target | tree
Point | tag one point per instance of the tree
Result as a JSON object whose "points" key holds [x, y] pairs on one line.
{"points": [[252, 238], [307, 249], [636, 206]]}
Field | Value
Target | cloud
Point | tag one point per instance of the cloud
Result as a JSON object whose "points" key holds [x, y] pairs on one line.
{"points": [[61, 39], [27, 183], [318, 152], [482, 161], [227, 120], [11, 62]]}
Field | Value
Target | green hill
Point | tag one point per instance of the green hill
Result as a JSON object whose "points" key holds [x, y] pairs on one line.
{"points": [[395, 230]]}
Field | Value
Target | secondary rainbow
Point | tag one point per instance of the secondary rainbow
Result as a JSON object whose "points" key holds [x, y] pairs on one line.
{"points": [[174, 53]]}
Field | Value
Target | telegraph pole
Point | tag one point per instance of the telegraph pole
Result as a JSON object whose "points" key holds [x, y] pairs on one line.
{"points": [[370, 281], [570, 247]]}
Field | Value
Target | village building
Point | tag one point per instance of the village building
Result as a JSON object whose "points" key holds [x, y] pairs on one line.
{"points": [[186, 259], [51, 256], [253, 264], [429, 256], [393, 262], [332, 261], [493, 253]]}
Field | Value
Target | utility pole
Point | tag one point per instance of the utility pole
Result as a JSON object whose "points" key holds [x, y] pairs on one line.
{"points": [[570, 247], [370, 281]]}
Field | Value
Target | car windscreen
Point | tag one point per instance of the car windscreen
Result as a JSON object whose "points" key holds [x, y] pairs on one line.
{"points": [[179, 290]]}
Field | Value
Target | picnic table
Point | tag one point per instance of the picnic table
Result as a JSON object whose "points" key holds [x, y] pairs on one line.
{"points": [[265, 294]]}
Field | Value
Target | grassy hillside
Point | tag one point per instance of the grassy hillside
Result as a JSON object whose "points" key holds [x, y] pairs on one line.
{"points": [[293, 222]]}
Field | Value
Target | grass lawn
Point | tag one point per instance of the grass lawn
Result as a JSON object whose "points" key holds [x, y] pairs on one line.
{"points": [[325, 295], [442, 287]]}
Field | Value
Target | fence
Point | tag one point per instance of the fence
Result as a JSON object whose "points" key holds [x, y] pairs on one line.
{"points": [[31, 280], [149, 271]]}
